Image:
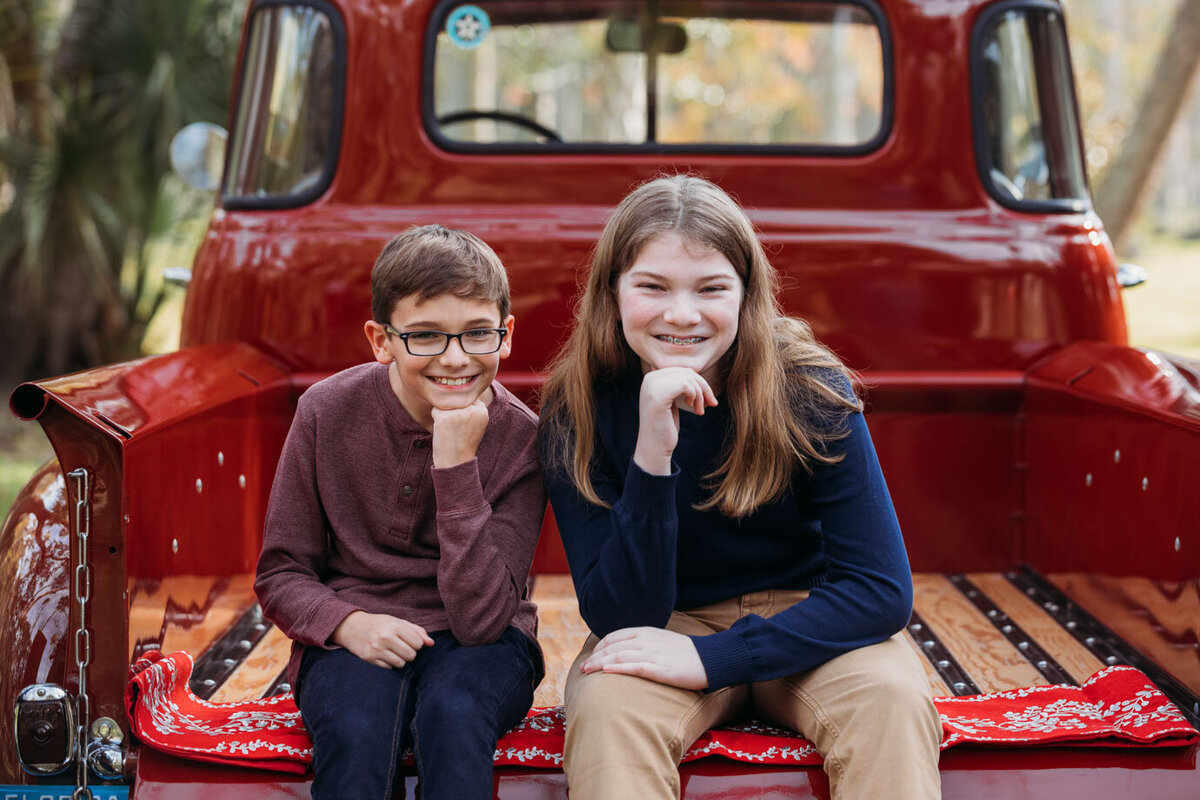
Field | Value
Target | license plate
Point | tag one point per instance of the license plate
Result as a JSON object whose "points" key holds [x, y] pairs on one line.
{"points": [[61, 792]]}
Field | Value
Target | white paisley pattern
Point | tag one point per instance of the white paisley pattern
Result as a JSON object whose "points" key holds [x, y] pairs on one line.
{"points": [[1118, 701], [167, 715]]}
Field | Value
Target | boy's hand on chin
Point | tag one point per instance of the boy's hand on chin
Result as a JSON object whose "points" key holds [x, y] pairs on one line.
{"points": [[457, 433], [380, 639]]}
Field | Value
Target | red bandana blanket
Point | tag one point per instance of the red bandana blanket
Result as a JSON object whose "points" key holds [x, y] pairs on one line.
{"points": [[1118, 705]]}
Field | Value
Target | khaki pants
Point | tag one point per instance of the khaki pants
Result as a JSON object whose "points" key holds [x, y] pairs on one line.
{"points": [[869, 712]]}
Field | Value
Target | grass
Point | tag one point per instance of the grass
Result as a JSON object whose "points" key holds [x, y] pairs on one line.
{"points": [[23, 448], [1163, 314]]}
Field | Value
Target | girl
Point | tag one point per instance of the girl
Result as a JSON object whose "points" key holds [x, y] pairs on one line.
{"points": [[739, 557]]}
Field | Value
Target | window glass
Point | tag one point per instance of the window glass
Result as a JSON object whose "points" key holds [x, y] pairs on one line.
{"points": [[285, 117], [1030, 133], [631, 73]]}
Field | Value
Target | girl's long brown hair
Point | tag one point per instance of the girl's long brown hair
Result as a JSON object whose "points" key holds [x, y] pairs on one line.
{"points": [[780, 383]]}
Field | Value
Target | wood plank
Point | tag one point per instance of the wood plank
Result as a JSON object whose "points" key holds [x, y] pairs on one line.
{"points": [[1058, 642], [254, 676], [561, 633], [1159, 618], [936, 684], [173, 614], [993, 663], [193, 628]]}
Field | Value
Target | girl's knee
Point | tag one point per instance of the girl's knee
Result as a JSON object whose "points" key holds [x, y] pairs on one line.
{"points": [[897, 708], [621, 708], [601, 697]]}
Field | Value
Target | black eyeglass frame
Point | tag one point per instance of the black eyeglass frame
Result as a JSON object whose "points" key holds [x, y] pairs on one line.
{"points": [[404, 338]]}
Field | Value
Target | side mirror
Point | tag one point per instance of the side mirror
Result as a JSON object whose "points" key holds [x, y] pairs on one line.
{"points": [[198, 155], [1130, 275]]}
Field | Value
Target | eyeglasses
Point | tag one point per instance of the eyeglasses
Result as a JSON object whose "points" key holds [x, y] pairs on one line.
{"points": [[476, 342]]}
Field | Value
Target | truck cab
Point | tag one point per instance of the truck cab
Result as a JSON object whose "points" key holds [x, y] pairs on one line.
{"points": [[914, 169]]}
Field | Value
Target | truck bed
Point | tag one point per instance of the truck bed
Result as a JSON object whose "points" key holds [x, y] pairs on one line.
{"points": [[975, 633]]}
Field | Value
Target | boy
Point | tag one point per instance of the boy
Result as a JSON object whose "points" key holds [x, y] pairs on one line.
{"points": [[402, 523]]}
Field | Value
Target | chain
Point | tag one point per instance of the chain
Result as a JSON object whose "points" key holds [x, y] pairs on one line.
{"points": [[83, 637]]}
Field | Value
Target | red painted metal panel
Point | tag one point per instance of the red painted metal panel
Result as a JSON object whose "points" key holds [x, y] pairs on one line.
{"points": [[1113, 438], [898, 257], [1063, 773], [140, 430], [140, 397], [948, 446], [886, 290], [197, 490]]}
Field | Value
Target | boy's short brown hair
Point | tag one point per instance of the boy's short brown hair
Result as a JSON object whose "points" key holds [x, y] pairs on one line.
{"points": [[431, 260]]}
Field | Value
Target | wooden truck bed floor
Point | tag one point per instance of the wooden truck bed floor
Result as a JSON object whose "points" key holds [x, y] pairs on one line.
{"points": [[979, 632]]}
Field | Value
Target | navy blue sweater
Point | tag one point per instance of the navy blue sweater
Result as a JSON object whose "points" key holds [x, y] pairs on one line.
{"points": [[834, 532]]}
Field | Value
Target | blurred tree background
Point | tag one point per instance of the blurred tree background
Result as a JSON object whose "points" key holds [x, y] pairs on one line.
{"points": [[1118, 49], [92, 91], [1134, 81]]}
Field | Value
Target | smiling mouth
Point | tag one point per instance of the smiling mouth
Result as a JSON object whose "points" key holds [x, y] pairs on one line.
{"points": [[678, 340], [453, 381]]}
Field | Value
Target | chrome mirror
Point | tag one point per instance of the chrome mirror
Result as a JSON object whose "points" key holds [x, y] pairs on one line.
{"points": [[198, 155], [1130, 275]]}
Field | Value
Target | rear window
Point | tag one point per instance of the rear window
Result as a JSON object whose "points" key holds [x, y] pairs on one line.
{"points": [[624, 74]]}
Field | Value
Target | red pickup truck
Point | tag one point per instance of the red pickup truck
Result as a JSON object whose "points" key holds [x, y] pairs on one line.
{"points": [[914, 169]]}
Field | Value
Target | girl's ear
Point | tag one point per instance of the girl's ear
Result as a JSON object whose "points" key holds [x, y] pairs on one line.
{"points": [[377, 337]]}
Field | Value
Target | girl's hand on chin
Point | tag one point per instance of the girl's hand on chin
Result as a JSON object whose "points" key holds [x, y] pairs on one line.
{"points": [[652, 653], [664, 392]]}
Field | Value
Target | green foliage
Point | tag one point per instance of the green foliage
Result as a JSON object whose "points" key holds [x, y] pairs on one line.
{"points": [[97, 96]]}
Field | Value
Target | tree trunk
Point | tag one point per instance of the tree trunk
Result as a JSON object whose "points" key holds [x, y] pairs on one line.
{"points": [[1123, 187]]}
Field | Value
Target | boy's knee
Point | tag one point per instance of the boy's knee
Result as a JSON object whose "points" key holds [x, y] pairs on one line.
{"points": [[358, 730], [457, 703]]}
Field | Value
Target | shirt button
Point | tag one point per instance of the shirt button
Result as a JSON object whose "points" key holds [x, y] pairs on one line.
{"points": [[408, 489], [422, 444]]}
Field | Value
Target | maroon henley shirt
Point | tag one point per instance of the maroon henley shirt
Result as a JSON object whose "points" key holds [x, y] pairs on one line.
{"points": [[360, 519]]}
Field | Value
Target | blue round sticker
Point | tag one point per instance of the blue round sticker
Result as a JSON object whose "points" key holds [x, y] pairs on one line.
{"points": [[468, 26]]}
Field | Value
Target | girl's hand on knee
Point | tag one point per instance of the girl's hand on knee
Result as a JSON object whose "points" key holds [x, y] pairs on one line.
{"points": [[651, 653], [380, 639], [664, 392]]}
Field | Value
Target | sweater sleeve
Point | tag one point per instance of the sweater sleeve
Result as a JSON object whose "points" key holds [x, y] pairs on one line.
{"points": [[295, 545], [487, 548], [867, 595], [622, 558]]}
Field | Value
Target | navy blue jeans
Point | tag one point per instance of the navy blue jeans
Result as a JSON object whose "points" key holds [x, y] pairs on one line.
{"points": [[449, 705]]}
